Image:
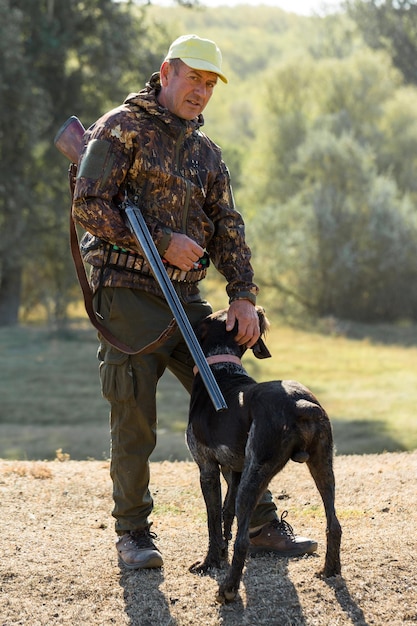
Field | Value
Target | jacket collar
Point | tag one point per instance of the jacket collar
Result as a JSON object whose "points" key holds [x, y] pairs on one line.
{"points": [[146, 100]]}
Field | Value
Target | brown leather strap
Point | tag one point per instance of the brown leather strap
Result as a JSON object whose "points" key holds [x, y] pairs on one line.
{"points": [[88, 295]]}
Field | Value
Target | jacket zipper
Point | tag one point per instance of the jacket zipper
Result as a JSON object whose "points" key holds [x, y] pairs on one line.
{"points": [[178, 146]]}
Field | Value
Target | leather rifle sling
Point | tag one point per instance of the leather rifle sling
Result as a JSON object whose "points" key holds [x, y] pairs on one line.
{"points": [[88, 296]]}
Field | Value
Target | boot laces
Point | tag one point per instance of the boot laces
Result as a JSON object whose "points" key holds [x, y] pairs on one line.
{"points": [[143, 538], [284, 526]]}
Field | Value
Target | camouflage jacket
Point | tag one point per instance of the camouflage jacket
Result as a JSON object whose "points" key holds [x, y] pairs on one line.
{"points": [[175, 174]]}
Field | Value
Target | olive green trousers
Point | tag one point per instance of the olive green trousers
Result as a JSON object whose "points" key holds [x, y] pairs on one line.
{"points": [[129, 384]]}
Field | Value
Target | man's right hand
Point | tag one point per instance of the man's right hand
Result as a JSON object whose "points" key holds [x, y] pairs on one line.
{"points": [[183, 252]]}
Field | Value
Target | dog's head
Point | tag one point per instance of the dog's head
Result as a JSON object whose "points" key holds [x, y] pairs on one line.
{"points": [[215, 339]]}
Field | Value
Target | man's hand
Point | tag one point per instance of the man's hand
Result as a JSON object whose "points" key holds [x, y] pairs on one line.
{"points": [[244, 312], [183, 252]]}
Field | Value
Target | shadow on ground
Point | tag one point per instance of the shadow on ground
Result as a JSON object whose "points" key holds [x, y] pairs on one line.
{"points": [[363, 437], [267, 597], [145, 604]]}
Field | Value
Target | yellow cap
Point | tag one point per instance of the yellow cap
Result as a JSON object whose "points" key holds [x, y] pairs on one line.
{"points": [[200, 54]]}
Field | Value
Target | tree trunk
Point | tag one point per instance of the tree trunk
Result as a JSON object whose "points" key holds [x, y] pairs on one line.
{"points": [[10, 290]]}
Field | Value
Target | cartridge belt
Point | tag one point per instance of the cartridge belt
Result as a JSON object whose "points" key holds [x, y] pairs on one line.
{"points": [[121, 259]]}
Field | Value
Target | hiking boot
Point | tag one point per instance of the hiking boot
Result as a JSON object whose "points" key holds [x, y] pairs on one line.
{"points": [[137, 550], [278, 537]]}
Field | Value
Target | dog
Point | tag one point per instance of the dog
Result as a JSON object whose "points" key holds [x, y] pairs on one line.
{"points": [[265, 425]]}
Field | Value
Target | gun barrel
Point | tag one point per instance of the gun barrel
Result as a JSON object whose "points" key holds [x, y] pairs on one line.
{"points": [[69, 137], [138, 226]]}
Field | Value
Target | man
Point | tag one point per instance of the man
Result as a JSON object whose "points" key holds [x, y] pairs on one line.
{"points": [[152, 149]]}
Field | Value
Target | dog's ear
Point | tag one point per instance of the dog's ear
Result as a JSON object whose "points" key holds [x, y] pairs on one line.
{"points": [[202, 327], [259, 349], [263, 320]]}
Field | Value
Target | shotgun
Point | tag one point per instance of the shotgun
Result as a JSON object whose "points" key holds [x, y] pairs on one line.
{"points": [[68, 140]]}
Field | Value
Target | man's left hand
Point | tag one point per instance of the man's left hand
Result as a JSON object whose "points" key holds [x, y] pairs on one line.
{"points": [[244, 312]]}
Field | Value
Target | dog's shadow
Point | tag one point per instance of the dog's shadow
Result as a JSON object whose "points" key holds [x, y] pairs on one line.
{"points": [[272, 599], [347, 603]]}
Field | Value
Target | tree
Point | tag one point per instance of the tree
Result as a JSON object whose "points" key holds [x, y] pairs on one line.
{"points": [[18, 122], [337, 234], [59, 57], [397, 127], [344, 245], [390, 25]]}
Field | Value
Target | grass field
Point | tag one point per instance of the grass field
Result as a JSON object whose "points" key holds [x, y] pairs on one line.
{"points": [[365, 376]]}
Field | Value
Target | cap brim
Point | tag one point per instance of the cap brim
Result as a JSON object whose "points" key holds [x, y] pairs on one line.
{"points": [[199, 64]]}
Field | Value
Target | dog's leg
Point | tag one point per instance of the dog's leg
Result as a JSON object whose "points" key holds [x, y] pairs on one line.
{"points": [[211, 489], [253, 482], [233, 480], [320, 465]]}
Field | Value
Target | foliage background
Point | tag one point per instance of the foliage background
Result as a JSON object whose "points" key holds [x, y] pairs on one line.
{"points": [[318, 125], [364, 375]]}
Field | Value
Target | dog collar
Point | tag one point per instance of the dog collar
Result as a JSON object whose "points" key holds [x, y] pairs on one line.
{"points": [[220, 358]]}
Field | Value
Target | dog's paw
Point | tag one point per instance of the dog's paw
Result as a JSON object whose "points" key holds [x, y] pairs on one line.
{"points": [[332, 566], [202, 567], [329, 572], [199, 567], [226, 594]]}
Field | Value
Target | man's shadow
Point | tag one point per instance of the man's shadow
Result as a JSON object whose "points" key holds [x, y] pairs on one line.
{"points": [[145, 604]]}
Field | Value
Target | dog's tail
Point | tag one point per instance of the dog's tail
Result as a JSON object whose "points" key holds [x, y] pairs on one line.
{"points": [[307, 410]]}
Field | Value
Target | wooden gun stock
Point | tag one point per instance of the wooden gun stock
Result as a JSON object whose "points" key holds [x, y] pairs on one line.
{"points": [[69, 138]]}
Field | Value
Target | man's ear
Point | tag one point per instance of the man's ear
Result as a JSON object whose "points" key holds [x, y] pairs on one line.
{"points": [[260, 350], [163, 73]]}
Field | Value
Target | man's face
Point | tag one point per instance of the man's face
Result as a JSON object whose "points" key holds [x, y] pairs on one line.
{"points": [[186, 92]]}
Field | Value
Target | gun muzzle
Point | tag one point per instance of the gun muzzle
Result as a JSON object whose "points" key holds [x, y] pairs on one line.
{"points": [[68, 139]]}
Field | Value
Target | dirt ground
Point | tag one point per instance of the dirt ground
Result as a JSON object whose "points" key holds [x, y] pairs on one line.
{"points": [[59, 565]]}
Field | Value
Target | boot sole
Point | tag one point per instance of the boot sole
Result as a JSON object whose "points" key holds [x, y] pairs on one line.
{"points": [[152, 563], [284, 553]]}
